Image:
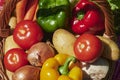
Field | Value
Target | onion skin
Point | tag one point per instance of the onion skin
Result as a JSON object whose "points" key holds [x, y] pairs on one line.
{"points": [[27, 72], [39, 52], [97, 70]]}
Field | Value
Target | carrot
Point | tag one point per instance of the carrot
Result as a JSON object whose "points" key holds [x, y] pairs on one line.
{"points": [[35, 13], [20, 10], [31, 10]]}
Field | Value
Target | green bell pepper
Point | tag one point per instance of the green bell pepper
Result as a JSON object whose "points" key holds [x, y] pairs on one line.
{"points": [[53, 14]]}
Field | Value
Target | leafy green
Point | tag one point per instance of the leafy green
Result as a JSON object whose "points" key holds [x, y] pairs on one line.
{"points": [[115, 4], [115, 7]]}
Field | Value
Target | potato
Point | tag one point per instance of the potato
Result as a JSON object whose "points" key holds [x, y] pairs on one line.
{"points": [[10, 43], [12, 22], [9, 74], [63, 41], [111, 50]]}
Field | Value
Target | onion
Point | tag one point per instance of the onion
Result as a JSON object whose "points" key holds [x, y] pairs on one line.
{"points": [[97, 70], [27, 72], [39, 52]]}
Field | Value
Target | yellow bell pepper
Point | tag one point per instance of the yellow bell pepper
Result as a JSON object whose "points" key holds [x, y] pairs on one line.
{"points": [[57, 68]]}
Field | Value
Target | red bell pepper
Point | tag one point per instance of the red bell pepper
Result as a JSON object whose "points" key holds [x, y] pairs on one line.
{"points": [[87, 18]]}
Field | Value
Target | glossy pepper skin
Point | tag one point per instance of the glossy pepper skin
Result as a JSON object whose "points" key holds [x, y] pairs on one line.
{"points": [[56, 68], [53, 14], [87, 18]]}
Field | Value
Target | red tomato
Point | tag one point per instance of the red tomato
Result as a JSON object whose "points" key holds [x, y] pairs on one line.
{"points": [[27, 33], [87, 48], [15, 58]]}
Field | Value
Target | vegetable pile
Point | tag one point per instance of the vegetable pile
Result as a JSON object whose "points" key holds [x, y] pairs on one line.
{"points": [[63, 40]]}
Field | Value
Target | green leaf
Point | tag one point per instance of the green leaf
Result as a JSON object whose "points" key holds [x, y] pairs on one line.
{"points": [[115, 4]]}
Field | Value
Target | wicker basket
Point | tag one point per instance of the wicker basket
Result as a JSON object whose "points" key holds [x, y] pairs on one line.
{"points": [[5, 30]]}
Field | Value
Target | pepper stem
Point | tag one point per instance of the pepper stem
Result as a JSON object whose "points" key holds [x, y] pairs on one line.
{"points": [[64, 69], [80, 15]]}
